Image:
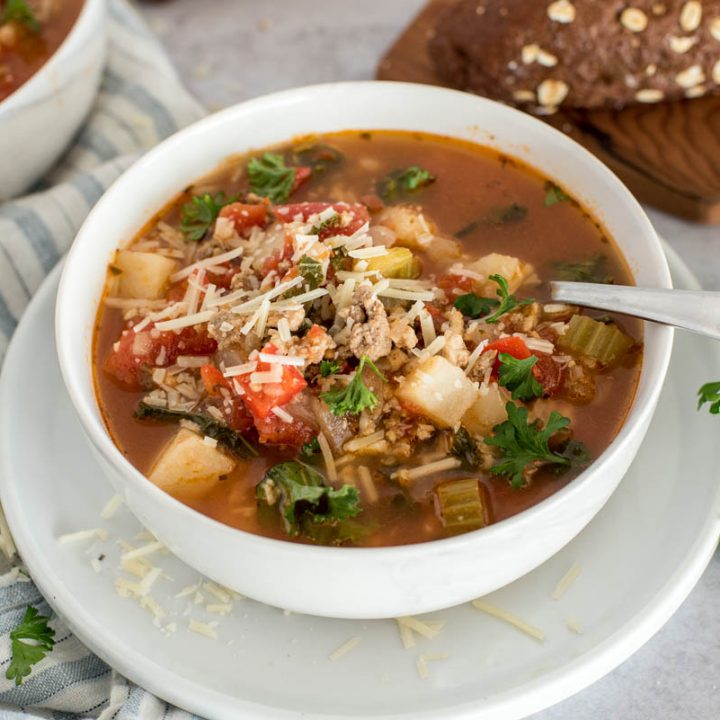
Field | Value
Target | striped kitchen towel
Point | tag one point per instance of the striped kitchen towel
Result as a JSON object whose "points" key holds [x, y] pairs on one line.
{"points": [[141, 101]]}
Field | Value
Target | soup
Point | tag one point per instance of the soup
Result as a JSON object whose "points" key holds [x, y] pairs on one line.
{"points": [[348, 340], [30, 32]]}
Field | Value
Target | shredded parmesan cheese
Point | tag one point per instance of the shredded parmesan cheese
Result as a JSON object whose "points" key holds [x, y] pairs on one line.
{"points": [[92, 534], [143, 550], [509, 618], [207, 262], [208, 629], [111, 507], [284, 415], [566, 581], [344, 649], [295, 360], [187, 321], [423, 660], [573, 625]]}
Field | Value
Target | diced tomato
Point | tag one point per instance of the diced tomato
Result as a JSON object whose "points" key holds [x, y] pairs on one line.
{"points": [[138, 352], [455, 285], [302, 175], [245, 216], [260, 399], [358, 212], [213, 380], [279, 257], [512, 345], [275, 431], [547, 372], [177, 291]]}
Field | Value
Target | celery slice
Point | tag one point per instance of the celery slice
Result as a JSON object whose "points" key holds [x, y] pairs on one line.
{"points": [[461, 505], [585, 336], [398, 263]]}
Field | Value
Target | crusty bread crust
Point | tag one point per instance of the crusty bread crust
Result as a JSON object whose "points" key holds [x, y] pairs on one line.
{"points": [[541, 55]]}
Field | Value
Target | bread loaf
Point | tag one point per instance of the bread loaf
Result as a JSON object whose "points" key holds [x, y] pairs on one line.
{"points": [[543, 54]]}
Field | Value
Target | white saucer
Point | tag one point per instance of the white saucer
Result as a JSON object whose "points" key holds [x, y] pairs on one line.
{"points": [[640, 558]]}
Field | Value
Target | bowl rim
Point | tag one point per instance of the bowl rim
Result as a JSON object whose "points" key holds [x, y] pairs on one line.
{"points": [[638, 415], [16, 99]]}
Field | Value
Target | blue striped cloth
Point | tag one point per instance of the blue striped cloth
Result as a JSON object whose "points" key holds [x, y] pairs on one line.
{"points": [[141, 101]]}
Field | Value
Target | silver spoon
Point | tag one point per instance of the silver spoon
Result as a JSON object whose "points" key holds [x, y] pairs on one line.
{"points": [[695, 310]]}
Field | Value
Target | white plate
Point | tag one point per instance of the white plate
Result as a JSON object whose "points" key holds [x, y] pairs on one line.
{"points": [[638, 563]]}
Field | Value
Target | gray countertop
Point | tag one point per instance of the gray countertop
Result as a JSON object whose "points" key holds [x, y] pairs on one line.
{"points": [[231, 50]]}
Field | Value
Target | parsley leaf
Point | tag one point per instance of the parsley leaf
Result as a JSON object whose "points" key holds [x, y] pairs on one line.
{"points": [[522, 443], [329, 367], [517, 376], [302, 496], [404, 181], [20, 12], [554, 194], [270, 177], [311, 270], [507, 301], [33, 627], [310, 448], [340, 259], [200, 212], [356, 396], [465, 448], [331, 222], [474, 306], [593, 270], [710, 393]]}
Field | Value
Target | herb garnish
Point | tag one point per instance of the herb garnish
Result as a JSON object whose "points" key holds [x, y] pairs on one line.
{"points": [[310, 448], [200, 212], [311, 270], [404, 181], [331, 222], [355, 396], [33, 627], [554, 194], [465, 448], [496, 216], [517, 376], [474, 306], [710, 393], [270, 177], [507, 301], [318, 156], [207, 425], [20, 12], [522, 443], [302, 496], [329, 367], [592, 270]]}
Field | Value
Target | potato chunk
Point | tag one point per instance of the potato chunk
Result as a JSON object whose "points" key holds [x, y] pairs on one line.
{"points": [[487, 411], [409, 224], [188, 466], [514, 270], [438, 390], [143, 275]]}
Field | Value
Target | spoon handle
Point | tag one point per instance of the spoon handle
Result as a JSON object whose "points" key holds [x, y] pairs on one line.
{"points": [[695, 310]]}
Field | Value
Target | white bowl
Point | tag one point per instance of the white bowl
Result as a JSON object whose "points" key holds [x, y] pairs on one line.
{"points": [[40, 118], [356, 582]]}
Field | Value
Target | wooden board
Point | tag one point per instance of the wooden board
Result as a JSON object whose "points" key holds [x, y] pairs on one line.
{"points": [[667, 154]]}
